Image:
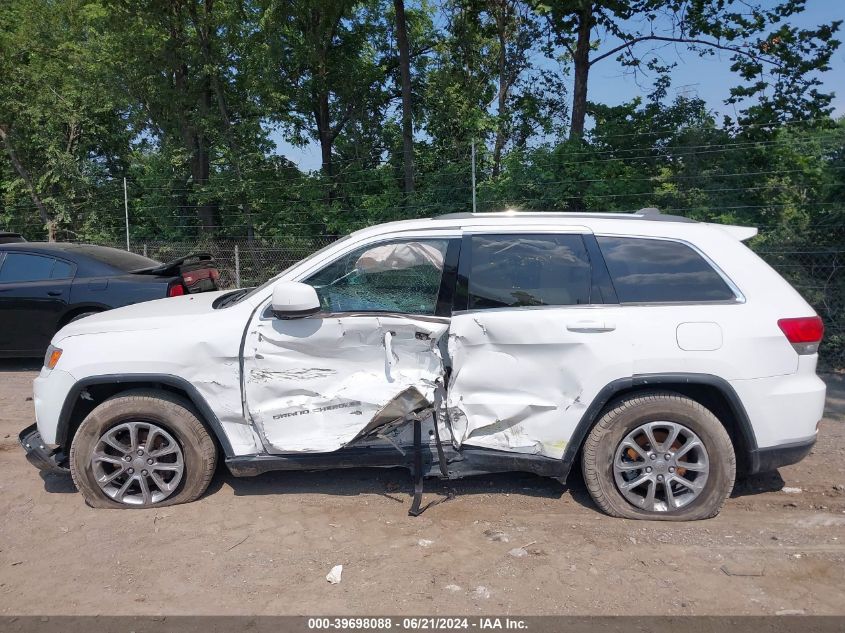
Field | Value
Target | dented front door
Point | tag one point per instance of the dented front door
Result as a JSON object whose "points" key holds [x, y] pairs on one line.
{"points": [[318, 384], [314, 385]]}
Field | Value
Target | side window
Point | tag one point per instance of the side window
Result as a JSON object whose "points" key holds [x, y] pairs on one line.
{"points": [[399, 276], [509, 271], [24, 267], [660, 271], [61, 270]]}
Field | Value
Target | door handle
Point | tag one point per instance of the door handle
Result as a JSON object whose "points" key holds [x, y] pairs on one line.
{"points": [[54, 293], [591, 326]]}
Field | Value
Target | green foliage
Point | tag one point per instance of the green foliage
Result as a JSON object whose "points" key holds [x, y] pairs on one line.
{"points": [[187, 98]]}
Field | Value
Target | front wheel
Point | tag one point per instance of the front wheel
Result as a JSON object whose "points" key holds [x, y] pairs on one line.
{"points": [[141, 450], [659, 456]]}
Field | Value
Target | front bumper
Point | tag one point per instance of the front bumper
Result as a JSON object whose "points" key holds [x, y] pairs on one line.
{"points": [[39, 454], [50, 391], [764, 460]]}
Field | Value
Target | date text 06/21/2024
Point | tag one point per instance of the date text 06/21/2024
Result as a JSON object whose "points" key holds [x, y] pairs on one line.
{"points": [[417, 623]]}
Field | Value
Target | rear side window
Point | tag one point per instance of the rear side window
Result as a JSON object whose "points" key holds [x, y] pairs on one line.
{"points": [[661, 271], [61, 270], [116, 258], [23, 267], [508, 271]]}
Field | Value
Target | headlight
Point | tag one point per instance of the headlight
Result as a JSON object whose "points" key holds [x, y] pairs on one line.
{"points": [[52, 357]]}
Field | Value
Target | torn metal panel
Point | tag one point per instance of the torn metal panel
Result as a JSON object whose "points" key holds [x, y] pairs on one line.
{"points": [[411, 400], [521, 379], [318, 384]]}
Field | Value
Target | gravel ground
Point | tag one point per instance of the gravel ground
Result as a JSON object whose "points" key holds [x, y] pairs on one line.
{"points": [[506, 544]]}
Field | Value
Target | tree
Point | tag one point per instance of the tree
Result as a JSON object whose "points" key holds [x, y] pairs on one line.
{"points": [[61, 128], [770, 56], [181, 65], [407, 106], [529, 99], [207, 29], [326, 64], [23, 174], [489, 82], [153, 49]]}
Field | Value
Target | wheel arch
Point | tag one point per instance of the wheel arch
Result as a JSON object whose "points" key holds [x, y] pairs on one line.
{"points": [[77, 309], [88, 393], [711, 391]]}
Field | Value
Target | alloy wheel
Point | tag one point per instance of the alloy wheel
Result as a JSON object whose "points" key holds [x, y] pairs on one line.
{"points": [[661, 466], [137, 463]]}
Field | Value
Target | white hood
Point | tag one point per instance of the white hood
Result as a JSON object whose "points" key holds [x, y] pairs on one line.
{"points": [[149, 315]]}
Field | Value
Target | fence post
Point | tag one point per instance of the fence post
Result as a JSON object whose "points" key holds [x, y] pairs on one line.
{"points": [[237, 267], [126, 211], [473, 175], [145, 250]]}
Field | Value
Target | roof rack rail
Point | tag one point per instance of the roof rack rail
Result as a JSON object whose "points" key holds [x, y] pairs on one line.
{"points": [[647, 213]]}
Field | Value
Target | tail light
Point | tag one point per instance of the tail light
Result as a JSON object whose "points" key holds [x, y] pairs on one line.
{"points": [[175, 289], [193, 277], [805, 333]]}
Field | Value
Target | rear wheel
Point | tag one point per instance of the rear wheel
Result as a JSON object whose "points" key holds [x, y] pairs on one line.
{"points": [[142, 450], [659, 456]]}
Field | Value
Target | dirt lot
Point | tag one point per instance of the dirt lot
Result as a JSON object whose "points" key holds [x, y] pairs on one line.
{"points": [[265, 545]]}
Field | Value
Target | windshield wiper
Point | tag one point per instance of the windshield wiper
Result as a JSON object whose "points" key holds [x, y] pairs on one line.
{"points": [[233, 297]]}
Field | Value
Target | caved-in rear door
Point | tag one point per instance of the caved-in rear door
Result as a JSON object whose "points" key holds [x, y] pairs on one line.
{"points": [[535, 344]]}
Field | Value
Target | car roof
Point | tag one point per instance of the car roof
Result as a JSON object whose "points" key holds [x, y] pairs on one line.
{"points": [[96, 257], [49, 247], [648, 221]]}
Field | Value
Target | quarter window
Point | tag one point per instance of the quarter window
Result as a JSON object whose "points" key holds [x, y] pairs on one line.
{"points": [[661, 271], [61, 270], [508, 271], [400, 276]]}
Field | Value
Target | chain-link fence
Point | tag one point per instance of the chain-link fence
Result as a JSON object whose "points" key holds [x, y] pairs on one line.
{"points": [[816, 274], [242, 263], [820, 278]]}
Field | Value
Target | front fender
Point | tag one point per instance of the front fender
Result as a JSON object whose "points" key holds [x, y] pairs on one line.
{"points": [[124, 382]]}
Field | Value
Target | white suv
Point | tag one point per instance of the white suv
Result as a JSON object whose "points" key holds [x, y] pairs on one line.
{"points": [[660, 352]]}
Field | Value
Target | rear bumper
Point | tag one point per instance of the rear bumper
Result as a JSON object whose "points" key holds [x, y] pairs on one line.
{"points": [[784, 410], [39, 454], [763, 460]]}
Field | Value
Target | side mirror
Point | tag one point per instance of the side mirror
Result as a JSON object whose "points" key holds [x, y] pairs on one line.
{"points": [[294, 300]]}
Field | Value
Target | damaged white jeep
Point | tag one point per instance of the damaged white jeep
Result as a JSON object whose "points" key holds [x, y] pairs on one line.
{"points": [[660, 353]]}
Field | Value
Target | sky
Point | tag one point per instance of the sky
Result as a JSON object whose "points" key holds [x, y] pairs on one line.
{"points": [[708, 78]]}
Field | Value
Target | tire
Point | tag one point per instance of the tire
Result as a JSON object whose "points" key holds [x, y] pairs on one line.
{"points": [[182, 454], [621, 437]]}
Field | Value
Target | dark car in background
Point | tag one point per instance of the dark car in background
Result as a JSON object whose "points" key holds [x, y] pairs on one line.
{"points": [[44, 286], [7, 237]]}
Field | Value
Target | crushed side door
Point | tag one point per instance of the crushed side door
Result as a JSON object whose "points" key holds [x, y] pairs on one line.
{"points": [[521, 379], [535, 339], [317, 384]]}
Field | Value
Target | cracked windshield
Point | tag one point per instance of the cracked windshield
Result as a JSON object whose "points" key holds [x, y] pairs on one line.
{"points": [[393, 277]]}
